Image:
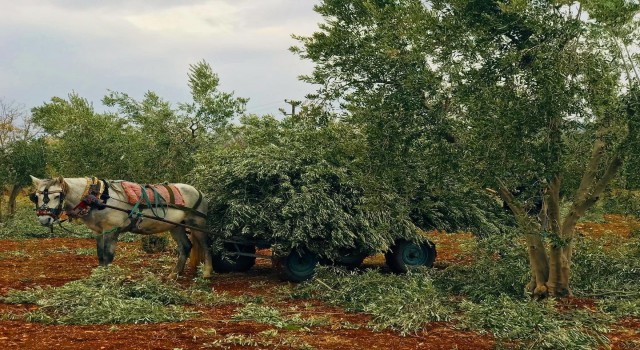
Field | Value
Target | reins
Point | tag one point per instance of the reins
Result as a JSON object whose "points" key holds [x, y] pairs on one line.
{"points": [[133, 213]]}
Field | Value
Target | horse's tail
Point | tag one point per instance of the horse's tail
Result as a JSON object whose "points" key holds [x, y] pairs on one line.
{"points": [[200, 244], [196, 256]]}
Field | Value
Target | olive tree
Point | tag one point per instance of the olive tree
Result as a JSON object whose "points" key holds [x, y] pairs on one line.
{"points": [[373, 70], [21, 153], [531, 97]]}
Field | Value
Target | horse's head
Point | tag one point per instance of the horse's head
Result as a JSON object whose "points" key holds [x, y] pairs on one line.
{"points": [[49, 199]]}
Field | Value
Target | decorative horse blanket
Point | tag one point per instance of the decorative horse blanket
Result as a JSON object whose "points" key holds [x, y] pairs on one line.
{"points": [[169, 194]]}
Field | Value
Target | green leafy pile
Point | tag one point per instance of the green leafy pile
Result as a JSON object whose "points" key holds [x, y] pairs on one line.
{"points": [[111, 296], [500, 268], [609, 270], [298, 186], [455, 208], [400, 302], [606, 267], [270, 315], [527, 324]]}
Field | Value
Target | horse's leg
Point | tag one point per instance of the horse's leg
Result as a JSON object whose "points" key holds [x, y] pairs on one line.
{"points": [[100, 248], [110, 243], [184, 247], [106, 247]]}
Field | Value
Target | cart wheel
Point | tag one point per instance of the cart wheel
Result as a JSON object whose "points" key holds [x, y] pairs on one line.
{"points": [[406, 254], [298, 266], [351, 260], [229, 262]]}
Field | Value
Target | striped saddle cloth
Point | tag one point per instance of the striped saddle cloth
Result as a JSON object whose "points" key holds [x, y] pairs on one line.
{"points": [[169, 194]]}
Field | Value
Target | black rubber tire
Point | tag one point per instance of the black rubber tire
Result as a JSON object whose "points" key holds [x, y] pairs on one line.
{"points": [[351, 260], [297, 266], [224, 263], [405, 255]]}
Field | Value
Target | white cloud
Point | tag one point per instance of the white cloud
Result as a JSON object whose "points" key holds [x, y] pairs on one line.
{"points": [[204, 19]]}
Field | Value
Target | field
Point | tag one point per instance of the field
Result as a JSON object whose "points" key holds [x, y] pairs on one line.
{"points": [[256, 310]]}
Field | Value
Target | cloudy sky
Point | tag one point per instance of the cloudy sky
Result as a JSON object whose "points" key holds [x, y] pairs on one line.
{"points": [[53, 47]]}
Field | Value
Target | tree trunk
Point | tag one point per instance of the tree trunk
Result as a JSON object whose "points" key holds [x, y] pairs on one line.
{"points": [[538, 261], [551, 273], [15, 190], [559, 260]]}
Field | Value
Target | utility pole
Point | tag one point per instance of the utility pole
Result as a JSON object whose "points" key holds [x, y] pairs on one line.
{"points": [[294, 104]]}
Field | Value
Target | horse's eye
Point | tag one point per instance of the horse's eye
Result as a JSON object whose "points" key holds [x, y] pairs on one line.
{"points": [[58, 197], [33, 197]]}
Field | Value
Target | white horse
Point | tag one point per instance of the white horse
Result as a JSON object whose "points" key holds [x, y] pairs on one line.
{"points": [[53, 197]]}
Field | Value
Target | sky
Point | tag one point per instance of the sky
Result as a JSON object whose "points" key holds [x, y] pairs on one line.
{"points": [[55, 47]]}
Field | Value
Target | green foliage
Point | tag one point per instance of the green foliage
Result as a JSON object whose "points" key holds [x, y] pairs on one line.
{"points": [[111, 295], [401, 302], [297, 185], [24, 224], [534, 325], [622, 308], [145, 141], [606, 267], [154, 243], [458, 209], [108, 296], [500, 268], [293, 320], [21, 159], [76, 132], [623, 202], [265, 339], [210, 109], [370, 58]]}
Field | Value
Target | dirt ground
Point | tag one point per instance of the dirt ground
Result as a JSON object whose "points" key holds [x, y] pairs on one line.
{"points": [[56, 261]]}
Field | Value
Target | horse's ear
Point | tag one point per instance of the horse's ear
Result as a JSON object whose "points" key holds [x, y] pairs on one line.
{"points": [[60, 180], [35, 180]]}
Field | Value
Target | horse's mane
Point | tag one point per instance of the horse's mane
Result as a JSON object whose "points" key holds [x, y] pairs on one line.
{"points": [[56, 181]]}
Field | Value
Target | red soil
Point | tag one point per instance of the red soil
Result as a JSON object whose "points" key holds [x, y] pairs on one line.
{"points": [[56, 261]]}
